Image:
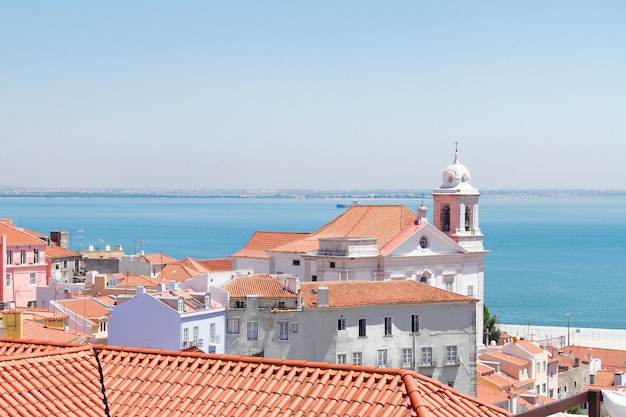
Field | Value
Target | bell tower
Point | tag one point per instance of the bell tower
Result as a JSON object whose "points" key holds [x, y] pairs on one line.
{"points": [[455, 207]]}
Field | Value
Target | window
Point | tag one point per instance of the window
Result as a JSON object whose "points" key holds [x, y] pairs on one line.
{"points": [[9, 257], [253, 330], [313, 277], [341, 324], [65, 264], [8, 280], [181, 304], [294, 327], [281, 304], [212, 334], [423, 242], [332, 264], [470, 290], [362, 327], [232, 326], [543, 388], [468, 212], [451, 358], [388, 326], [449, 285], [103, 326], [357, 358], [33, 278], [445, 219], [341, 358], [36, 256], [185, 337], [382, 358], [538, 367], [407, 358], [23, 256], [295, 262], [240, 304], [196, 335], [57, 266], [544, 366], [426, 357], [283, 330], [415, 323]]}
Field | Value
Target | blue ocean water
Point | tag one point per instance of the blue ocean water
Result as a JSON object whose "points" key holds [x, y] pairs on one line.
{"points": [[549, 256]]}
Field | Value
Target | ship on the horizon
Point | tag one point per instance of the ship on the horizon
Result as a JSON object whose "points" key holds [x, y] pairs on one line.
{"points": [[346, 205]]}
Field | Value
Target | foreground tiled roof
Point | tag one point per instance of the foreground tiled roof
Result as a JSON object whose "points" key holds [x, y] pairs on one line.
{"points": [[263, 285], [358, 293], [382, 222], [138, 382], [262, 241]]}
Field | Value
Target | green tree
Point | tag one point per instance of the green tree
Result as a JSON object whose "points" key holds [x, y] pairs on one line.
{"points": [[490, 326]]}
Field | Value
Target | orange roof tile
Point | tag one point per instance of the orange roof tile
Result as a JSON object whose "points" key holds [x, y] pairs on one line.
{"points": [[497, 355], [355, 293], [611, 358], [146, 383], [382, 222], [529, 347], [158, 258], [604, 378], [86, 307], [17, 236], [263, 285], [135, 280], [491, 395], [182, 270], [55, 252], [261, 242], [223, 264]]}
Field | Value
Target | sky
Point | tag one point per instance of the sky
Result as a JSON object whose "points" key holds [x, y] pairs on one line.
{"points": [[321, 94]]}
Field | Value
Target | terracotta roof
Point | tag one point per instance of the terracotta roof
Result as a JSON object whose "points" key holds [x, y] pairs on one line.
{"points": [[142, 382], [263, 285], [261, 242], [611, 358], [356, 293], [191, 300], [86, 307], [223, 264], [135, 280], [604, 379], [17, 236], [55, 252], [158, 258], [496, 354], [491, 395], [529, 347], [182, 270], [382, 222]]}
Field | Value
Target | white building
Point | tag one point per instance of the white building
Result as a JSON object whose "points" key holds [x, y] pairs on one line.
{"points": [[401, 324], [169, 319], [389, 242]]}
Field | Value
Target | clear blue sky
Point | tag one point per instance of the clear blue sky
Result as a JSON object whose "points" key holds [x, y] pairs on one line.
{"points": [[317, 95]]}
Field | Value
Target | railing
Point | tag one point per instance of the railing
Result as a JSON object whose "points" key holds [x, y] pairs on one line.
{"points": [[593, 397]]}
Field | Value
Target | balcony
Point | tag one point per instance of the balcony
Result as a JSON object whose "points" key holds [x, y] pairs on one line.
{"points": [[592, 397]]}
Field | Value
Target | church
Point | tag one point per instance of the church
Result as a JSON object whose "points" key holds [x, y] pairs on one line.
{"points": [[388, 242]]}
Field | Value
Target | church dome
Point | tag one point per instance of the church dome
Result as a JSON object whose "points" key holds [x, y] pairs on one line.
{"points": [[456, 174]]}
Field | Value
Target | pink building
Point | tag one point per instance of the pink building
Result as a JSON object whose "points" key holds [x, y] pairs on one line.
{"points": [[23, 266]]}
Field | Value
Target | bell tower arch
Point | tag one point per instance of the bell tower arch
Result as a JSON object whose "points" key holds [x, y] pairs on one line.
{"points": [[455, 207]]}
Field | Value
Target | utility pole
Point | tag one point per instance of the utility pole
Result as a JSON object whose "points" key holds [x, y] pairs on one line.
{"points": [[568, 317]]}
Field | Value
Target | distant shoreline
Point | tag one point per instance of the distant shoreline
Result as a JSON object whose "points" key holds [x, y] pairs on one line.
{"points": [[578, 336], [24, 192]]}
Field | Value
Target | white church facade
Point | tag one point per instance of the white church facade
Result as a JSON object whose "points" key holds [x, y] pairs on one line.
{"points": [[391, 242]]}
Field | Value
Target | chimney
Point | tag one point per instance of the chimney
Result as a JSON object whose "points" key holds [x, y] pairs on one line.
{"points": [[422, 212], [619, 379], [161, 287], [322, 296], [173, 286], [141, 290]]}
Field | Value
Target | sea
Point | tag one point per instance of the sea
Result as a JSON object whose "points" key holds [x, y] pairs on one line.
{"points": [[553, 260]]}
